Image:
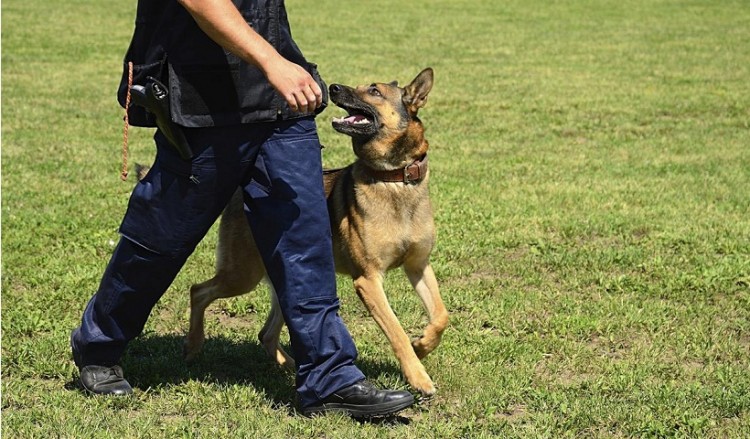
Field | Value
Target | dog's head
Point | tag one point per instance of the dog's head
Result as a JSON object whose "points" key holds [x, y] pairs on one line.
{"points": [[382, 120]]}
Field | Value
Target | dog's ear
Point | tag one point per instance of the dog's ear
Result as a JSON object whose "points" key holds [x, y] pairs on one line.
{"points": [[415, 94]]}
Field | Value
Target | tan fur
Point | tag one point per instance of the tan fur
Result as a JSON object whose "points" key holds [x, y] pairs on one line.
{"points": [[376, 226]]}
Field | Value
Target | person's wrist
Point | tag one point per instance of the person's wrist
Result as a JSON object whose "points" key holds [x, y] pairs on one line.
{"points": [[268, 62]]}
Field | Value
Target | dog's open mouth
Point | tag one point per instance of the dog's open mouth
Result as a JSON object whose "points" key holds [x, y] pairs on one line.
{"points": [[358, 122], [354, 119]]}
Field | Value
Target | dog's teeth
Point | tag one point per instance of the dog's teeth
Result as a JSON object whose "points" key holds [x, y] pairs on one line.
{"points": [[356, 119]]}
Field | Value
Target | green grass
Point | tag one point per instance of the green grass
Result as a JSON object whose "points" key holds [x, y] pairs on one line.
{"points": [[591, 172]]}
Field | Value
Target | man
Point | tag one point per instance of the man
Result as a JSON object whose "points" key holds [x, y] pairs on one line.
{"points": [[245, 98]]}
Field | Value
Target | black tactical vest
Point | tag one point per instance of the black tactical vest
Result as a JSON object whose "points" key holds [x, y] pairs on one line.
{"points": [[209, 86]]}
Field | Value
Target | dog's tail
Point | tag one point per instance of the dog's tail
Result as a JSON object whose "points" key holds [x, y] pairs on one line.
{"points": [[141, 170]]}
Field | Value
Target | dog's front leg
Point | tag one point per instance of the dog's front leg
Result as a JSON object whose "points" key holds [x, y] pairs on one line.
{"points": [[425, 284], [370, 291]]}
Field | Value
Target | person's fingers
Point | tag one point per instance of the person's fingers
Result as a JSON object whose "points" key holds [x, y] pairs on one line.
{"points": [[291, 100], [301, 102], [304, 101], [299, 89], [318, 94], [312, 99]]}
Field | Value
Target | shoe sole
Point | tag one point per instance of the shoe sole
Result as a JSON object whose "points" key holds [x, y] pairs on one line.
{"points": [[89, 392], [359, 411]]}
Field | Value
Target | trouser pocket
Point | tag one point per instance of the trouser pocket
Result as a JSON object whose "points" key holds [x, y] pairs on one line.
{"points": [[174, 205]]}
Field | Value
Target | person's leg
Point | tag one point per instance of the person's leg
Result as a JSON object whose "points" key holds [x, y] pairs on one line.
{"points": [[287, 212], [169, 212]]}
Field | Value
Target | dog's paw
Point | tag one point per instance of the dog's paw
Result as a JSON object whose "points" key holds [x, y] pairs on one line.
{"points": [[420, 381], [191, 350], [189, 357], [426, 390], [421, 347], [285, 362]]}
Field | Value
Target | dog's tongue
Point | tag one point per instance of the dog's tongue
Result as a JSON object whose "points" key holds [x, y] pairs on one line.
{"points": [[355, 119]]}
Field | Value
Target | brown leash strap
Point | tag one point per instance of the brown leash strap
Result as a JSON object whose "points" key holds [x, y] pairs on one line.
{"points": [[124, 173]]}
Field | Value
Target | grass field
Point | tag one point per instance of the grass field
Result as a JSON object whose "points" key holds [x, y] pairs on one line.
{"points": [[591, 180]]}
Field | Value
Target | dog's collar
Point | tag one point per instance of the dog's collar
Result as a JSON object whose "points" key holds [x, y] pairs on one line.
{"points": [[410, 174]]}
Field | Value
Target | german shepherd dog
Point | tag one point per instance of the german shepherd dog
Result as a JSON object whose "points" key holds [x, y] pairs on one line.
{"points": [[381, 218]]}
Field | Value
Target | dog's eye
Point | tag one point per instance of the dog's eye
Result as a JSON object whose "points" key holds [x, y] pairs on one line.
{"points": [[374, 91]]}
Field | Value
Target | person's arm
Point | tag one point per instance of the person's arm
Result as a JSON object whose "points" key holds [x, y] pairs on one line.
{"points": [[224, 24]]}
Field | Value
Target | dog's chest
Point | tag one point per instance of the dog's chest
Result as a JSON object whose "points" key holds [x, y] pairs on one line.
{"points": [[397, 219]]}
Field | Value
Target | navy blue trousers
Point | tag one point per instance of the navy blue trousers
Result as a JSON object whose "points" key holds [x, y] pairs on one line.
{"points": [[278, 166]]}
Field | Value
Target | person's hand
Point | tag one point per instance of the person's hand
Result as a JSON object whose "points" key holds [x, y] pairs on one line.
{"points": [[293, 82]]}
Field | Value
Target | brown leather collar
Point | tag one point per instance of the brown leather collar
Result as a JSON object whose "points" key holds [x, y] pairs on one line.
{"points": [[411, 174]]}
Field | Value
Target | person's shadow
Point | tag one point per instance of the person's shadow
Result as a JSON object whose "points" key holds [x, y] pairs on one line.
{"points": [[153, 360]]}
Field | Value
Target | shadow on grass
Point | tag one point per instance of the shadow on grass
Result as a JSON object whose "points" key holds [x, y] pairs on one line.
{"points": [[153, 361]]}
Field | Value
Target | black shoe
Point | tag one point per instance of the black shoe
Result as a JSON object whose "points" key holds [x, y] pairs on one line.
{"points": [[362, 400], [104, 380]]}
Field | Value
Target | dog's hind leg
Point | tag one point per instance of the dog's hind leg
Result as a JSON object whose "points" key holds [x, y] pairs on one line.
{"points": [[223, 285], [269, 335], [370, 291], [239, 269], [425, 284]]}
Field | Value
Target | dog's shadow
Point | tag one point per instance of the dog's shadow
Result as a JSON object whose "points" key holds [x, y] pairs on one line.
{"points": [[154, 361]]}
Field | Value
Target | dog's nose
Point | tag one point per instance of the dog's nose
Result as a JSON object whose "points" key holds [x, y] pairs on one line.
{"points": [[335, 88]]}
